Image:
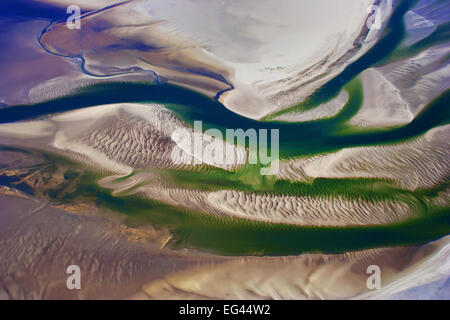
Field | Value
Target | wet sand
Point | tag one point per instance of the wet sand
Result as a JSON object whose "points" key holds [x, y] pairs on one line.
{"points": [[40, 242]]}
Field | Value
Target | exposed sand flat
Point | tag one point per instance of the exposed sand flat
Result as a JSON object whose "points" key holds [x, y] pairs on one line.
{"points": [[37, 129], [383, 105], [126, 39], [62, 133], [316, 211], [309, 276], [34, 76], [26, 64], [38, 242], [424, 18], [420, 163], [272, 66], [395, 93], [416, 281], [266, 62], [443, 198], [420, 78], [324, 110], [122, 137], [257, 57], [122, 185], [118, 262], [306, 211], [67, 84], [143, 139]]}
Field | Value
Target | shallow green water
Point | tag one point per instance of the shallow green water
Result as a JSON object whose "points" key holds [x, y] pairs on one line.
{"points": [[236, 236]]}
